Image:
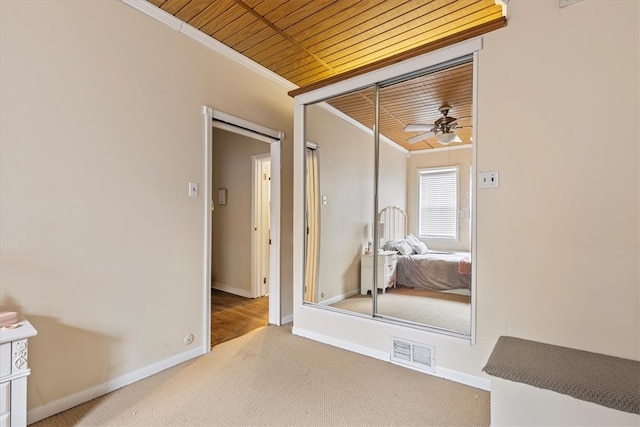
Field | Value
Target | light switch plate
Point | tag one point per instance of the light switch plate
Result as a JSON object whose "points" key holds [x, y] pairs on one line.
{"points": [[193, 189], [488, 179]]}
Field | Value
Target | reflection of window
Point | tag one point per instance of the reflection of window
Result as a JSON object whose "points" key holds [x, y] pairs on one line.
{"points": [[438, 204]]}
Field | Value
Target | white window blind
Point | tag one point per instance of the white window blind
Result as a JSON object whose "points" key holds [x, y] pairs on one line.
{"points": [[438, 204]]}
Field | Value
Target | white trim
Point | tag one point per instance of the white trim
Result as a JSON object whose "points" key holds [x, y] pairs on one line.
{"points": [[275, 299], [207, 200], [446, 373], [299, 151], [155, 12], [474, 200], [166, 18], [251, 127], [345, 345], [463, 378], [362, 127], [231, 290], [441, 149], [287, 319], [274, 137], [404, 67], [340, 297], [243, 132], [57, 406]]}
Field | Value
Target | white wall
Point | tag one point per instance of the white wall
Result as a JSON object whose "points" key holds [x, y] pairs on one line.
{"points": [[558, 241], [231, 224], [102, 129], [456, 157]]}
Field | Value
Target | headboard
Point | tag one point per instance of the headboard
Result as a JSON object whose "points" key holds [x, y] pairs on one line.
{"points": [[395, 224]]}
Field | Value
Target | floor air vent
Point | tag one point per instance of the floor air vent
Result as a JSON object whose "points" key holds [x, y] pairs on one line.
{"points": [[415, 355]]}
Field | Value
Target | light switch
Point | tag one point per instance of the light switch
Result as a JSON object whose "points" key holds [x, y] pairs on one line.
{"points": [[193, 189], [488, 179]]}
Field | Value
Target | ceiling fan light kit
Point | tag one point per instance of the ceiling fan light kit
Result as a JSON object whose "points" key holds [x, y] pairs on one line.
{"points": [[447, 138], [442, 129]]}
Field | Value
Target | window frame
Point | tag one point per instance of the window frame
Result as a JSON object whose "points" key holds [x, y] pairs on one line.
{"points": [[456, 215]]}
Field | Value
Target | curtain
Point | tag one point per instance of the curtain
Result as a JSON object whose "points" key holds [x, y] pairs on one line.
{"points": [[312, 214]]}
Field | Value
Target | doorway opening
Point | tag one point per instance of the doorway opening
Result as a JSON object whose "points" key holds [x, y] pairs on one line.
{"points": [[242, 226]]}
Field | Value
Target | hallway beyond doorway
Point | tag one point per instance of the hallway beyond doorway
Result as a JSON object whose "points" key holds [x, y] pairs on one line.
{"points": [[233, 316]]}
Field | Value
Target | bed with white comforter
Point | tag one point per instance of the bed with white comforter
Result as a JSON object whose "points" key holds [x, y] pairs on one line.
{"points": [[434, 271]]}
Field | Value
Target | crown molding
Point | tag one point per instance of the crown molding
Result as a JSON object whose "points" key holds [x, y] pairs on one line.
{"points": [[360, 126], [439, 149], [182, 27]]}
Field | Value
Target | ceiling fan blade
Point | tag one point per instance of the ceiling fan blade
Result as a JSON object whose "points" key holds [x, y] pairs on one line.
{"points": [[417, 128], [420, 137]]}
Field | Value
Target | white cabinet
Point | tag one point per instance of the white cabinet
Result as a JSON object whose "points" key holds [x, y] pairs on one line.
{"points": [[14, 370], [386, 271]]}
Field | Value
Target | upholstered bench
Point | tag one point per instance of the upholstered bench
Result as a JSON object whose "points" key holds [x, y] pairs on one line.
{"points": [[607, 387]]}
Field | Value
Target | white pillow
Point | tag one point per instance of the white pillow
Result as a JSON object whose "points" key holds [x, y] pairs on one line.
{"points": [[412, 239], [417, 246], [401, 246]]}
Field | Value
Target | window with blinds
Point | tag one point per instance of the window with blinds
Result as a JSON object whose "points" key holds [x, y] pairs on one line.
{"points": [[438, 204]]}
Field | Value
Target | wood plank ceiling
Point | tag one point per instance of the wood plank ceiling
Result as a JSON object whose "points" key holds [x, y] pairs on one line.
{"points": [[307, 41]]}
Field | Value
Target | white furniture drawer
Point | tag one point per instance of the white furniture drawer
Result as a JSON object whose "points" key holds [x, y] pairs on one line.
{"points": [[5, 357], [5, 403], [14, 366], [386, 271]]}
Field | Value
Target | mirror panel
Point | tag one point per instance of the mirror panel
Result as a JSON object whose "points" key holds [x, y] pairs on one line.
{"points": [[339, 198], [432, 250]]}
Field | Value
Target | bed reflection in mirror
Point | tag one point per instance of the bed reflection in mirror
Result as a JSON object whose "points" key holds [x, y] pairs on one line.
{"points": [[424, 204]]}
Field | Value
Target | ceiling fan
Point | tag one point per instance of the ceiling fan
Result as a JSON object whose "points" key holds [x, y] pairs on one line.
{"points": [[443, 129]]}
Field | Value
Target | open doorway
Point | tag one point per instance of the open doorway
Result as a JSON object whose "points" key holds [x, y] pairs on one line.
{"points": [[242, 220]]}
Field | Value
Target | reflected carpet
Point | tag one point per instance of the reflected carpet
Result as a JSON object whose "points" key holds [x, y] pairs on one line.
{"points": [[442, 310]]}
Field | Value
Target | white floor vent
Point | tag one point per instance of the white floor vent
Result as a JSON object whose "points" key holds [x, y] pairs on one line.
{"points": [[415, 355]]}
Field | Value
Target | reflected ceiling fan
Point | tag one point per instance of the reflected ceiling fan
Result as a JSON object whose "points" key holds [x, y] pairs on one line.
{"points": [[443, 129]]}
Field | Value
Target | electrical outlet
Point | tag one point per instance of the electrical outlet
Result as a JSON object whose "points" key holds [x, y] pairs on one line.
{"points": [[488, 179], [188, 339]]}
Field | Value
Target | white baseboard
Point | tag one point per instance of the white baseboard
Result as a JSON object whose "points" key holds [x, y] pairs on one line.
{"points": [[287, 319], [232, 290], [340, 297], [462, 378], [449, 374], [57, 406], [346, 345]]}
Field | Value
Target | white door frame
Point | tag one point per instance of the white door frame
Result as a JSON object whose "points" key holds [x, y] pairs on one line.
{"points": [[257, 239], [274, 138]]}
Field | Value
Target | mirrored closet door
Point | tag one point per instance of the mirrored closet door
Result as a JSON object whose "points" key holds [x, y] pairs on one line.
{"points": [[389, 213]]}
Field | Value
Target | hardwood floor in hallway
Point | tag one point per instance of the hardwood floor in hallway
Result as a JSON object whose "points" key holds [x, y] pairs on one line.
{"points": [[233, 316]]}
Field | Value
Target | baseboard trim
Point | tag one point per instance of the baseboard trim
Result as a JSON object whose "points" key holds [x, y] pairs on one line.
{"points": [[340, 297], [345, 345], [230, 289], [287, 319], [448, 374], [462, 378], [57, 406]]}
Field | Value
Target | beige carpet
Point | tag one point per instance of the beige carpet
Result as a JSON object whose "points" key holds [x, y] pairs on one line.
{"points": [[446, 311], [273, 378]]}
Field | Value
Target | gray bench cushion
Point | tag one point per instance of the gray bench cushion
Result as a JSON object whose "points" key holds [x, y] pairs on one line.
{"points": [[606, 380]]}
